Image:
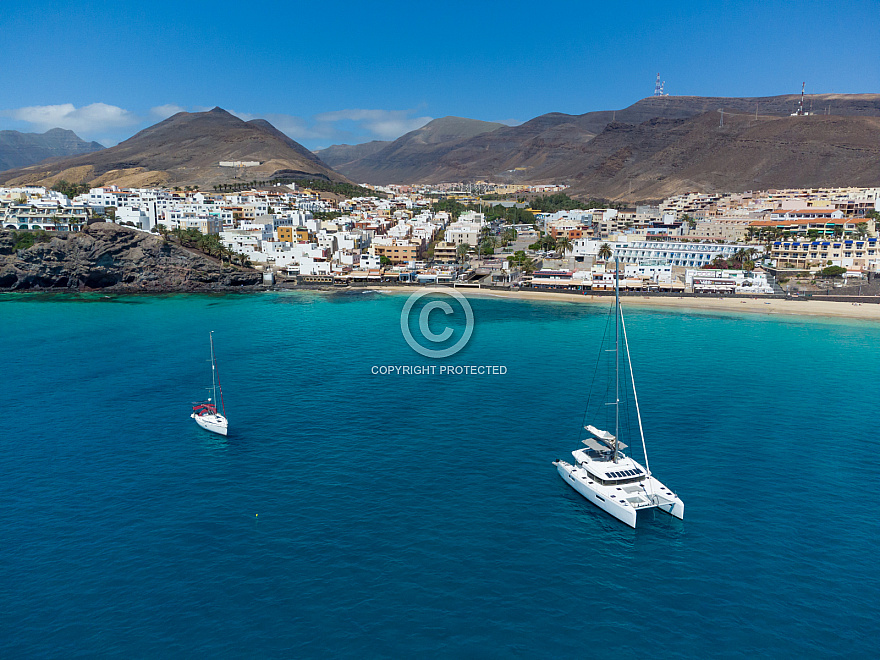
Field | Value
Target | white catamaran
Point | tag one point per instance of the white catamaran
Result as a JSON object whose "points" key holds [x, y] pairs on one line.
{"points": [[205, 412], [602, 473]]}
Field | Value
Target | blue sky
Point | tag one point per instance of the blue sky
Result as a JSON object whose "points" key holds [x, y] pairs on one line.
{"points": [[331, 72]]}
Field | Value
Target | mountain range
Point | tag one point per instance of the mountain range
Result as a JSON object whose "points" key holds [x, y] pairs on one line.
{"points": [[656, 147], [22, 149], [410, 155], [186, 149]]}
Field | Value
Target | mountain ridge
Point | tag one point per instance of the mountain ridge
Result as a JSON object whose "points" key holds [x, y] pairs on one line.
{"points": [[19, 149], [186, 149], [562, 148], [431, 141]]}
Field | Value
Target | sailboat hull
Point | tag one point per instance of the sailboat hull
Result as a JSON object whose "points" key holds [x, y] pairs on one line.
{"points": [[213, 423], [624, 513]]}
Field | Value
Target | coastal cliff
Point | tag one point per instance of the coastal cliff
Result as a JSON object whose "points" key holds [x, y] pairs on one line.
{"points": [[107, 256]]}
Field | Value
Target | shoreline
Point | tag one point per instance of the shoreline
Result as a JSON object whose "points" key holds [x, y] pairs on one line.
{"points": [[772, 306], [750, 305]]}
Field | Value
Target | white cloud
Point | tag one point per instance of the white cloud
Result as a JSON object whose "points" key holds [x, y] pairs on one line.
{"points": [[87, 120], [166, 111], [383, 124], [352, 125]]}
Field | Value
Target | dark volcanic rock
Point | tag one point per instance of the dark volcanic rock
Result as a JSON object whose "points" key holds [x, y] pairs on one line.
{"points": [[109, 256]]}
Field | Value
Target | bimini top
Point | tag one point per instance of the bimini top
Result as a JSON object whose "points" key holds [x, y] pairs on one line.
{"points": [[602, 435], [594, 444]]}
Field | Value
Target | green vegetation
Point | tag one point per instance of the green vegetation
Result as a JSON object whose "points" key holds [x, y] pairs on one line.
{"points": [[546, 243], [510, 216], [206, 243], [22, 240], [71, 189], [344, 189], [462, 250], [562, 202], [384, 261], [326, 215], [451, 206], [563, 245], [604, 252], [521, 261], [741, 260], [832, 271], [508, 236]]}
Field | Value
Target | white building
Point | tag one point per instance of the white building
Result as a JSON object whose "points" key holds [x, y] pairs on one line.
{"points": [[670, 252], [728, 281], [463, 232]]}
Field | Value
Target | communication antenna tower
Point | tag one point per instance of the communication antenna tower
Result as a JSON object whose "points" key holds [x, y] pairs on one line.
{"points": [[658, 87], [800, 112]]}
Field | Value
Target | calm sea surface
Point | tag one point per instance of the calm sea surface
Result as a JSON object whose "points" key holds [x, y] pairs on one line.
{"points": [[359, 515]]}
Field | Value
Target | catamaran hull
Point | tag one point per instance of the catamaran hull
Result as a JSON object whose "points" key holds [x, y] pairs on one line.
{"points": [[625, 514], [213, 423]]}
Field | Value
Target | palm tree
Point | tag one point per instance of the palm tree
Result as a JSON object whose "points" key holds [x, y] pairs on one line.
{"points": [[462, 250], [604, 252], [563, 245], [521, 260]]}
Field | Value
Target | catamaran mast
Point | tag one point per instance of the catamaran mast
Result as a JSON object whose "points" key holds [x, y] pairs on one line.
{"points": [[616, 352]]}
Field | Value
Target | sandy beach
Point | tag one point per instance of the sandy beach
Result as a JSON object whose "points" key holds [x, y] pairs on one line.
{"points": [[793, 307]]}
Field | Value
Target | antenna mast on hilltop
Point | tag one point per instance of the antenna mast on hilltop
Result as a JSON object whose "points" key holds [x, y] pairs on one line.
{"points": [[658, 87], [800, 112]]}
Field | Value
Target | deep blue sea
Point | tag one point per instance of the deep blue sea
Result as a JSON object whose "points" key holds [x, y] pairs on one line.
{"points": [[350, 514]]}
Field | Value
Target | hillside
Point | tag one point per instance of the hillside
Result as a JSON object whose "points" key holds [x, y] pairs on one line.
{"points": [[340, 154], [413, 154], [22, 149], [185, 149], [659, 158], [559, 148]]}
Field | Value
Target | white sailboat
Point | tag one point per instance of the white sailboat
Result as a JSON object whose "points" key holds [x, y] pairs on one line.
{"points": [[205, 412], [602, 473]]}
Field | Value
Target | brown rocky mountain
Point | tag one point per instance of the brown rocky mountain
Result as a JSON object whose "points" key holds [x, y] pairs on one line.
{"points": [[663, 157], [339, 154], [567, 148], [185, 149], [411, 155], [22, 149]]}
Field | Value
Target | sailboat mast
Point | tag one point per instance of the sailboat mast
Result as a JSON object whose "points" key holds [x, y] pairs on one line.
{"points": [[616, 352], [215, 377], [213, 370]]}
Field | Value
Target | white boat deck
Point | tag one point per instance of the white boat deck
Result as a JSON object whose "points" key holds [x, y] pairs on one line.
{"points": [[620, 487]]}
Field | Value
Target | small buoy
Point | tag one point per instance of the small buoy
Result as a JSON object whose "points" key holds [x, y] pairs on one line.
{"points": [[256, 515]]}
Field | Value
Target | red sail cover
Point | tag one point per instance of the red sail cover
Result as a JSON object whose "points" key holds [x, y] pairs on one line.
{"points": [[204, 408]]}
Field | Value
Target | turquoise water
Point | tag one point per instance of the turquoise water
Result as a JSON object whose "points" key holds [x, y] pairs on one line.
{"points": [[421, 515]]}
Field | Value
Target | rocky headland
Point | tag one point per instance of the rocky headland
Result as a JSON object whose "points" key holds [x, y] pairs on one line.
{"points": [[109, 257]]}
